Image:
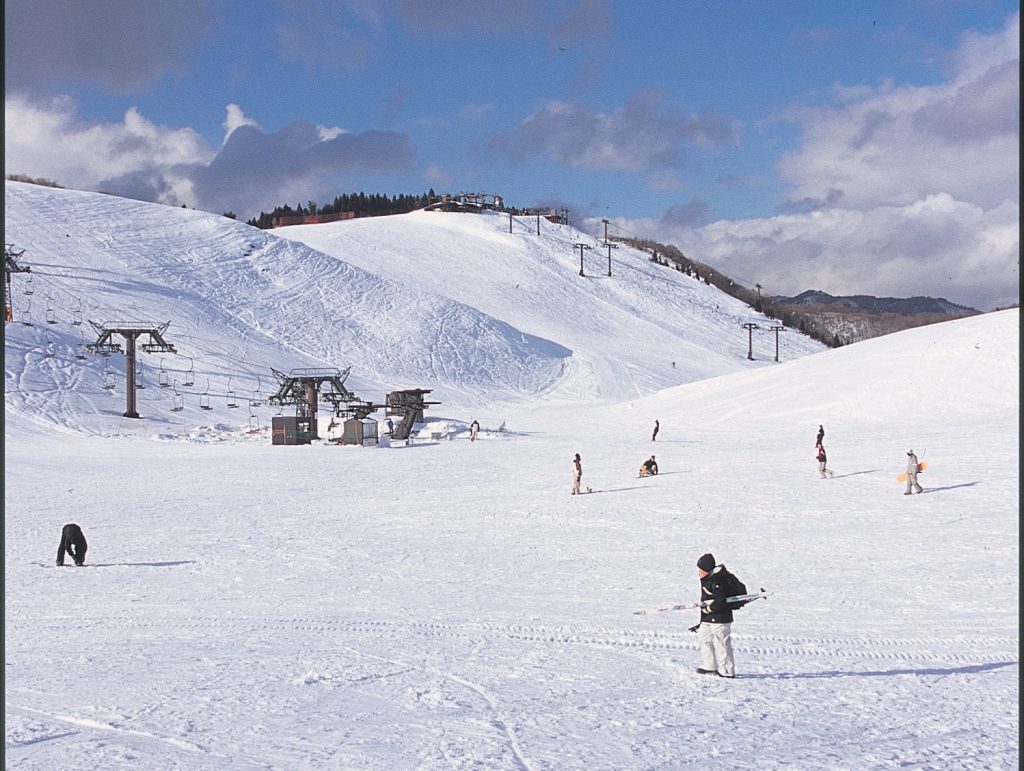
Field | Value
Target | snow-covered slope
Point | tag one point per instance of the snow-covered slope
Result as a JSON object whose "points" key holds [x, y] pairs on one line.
{"points": [[448, 604], [448, 302]]}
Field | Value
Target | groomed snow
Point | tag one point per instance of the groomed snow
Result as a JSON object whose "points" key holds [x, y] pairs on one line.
{"points": [[447, 603]]}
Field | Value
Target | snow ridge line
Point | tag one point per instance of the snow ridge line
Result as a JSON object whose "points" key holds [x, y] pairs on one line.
{"points": [[858, 648]]}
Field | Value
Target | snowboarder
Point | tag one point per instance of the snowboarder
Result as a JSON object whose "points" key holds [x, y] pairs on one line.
{"points": [[72, 541], [714, 632], [391, 426], [657, 425], [474, 429], [649, 467], [912, 469], [821, 436], [822, 460], [577, 474]]}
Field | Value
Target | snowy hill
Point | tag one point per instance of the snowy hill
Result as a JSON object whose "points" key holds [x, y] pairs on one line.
{"points": [[448, 604], [450, 302]]}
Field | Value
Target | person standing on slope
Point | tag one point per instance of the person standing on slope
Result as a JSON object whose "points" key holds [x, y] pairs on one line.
{"points": [[821, 436], [657, 425], [822, 460], [714, 632], [474, 429], [577, 474], [913, 467]]}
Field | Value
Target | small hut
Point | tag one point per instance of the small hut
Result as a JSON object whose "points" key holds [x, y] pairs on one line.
{"points": [[362, 431]]}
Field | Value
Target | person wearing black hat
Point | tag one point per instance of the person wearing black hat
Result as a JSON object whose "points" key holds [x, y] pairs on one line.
{"points": [[913, 467], [714, 632]]}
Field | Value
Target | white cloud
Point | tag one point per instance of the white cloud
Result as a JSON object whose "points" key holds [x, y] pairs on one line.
{"points": [[896, 190], [50, 140], [236, 117]]}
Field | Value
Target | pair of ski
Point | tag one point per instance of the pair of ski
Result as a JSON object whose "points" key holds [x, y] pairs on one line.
{"points": [[761, 595]]}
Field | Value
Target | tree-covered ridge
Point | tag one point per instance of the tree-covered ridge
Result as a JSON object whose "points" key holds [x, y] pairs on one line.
{"points": [[361, 204]]}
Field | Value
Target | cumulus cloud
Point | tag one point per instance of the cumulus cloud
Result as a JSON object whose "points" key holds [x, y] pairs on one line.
{"points": [[119, 45], [137, 158], [645, 135], [895, 190], [47, 139], [236, 117]]}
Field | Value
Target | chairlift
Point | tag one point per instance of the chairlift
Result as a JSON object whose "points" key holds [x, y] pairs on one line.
{"points": [[28, 285], [179, 400], [163, 379], [190, 378], [26, 317], [76, 315], [80, 349], [51, 315], [254, 425], [140, 382], [256, 400], [108, 378], [50, 350], [231, 394], [204, 399]]}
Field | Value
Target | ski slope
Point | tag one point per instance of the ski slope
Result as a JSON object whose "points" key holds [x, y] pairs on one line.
{"points": [[446, 603]]}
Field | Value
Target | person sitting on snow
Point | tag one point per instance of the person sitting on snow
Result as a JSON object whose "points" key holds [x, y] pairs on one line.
{"points": [[649, 467]]}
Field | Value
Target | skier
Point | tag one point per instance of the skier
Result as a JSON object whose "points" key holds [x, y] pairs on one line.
{"points": [[391, 426], [821, 436], [714, 632], [72, 541], [577, 474], [474, 429], [912, 470], [649, 467], [657, 425], [822, 460]]}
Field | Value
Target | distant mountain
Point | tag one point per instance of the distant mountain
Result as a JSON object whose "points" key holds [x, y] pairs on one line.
{"points": [[904, 306]]}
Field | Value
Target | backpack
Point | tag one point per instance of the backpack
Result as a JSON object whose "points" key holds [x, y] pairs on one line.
{"points": [[736, 587]]}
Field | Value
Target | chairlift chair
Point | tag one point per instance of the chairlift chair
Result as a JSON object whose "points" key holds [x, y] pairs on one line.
{"points": [[140, 382], [256, 400], [108, 379], [51, 315], [50, 350], [190, 378], [163, 379], [26, 317], [204, 399], [28, 285], [76, 315], [179, 400], [232, 402]]}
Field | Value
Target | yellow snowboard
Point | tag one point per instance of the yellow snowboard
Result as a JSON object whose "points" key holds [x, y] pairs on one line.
{"points": [[901, 478]]}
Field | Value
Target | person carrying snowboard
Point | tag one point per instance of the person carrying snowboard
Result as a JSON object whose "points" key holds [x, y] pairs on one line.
{"points": [[913, 467], [649, 467], [72, 541], [474, 429], [577, 474], [714, 632]]}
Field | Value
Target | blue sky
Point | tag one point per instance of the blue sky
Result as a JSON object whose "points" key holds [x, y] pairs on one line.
{"points": [[865, 147]]}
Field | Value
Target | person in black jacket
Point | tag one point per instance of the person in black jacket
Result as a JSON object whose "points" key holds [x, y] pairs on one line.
{"points": [[72, 541], [714, 632], [649, 467], [821, 436]]}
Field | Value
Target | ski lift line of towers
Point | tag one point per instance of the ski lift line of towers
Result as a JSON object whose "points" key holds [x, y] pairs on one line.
{"points": [[105, 345]]}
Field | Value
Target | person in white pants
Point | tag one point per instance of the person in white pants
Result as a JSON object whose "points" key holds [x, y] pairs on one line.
{"points": [[714, 633]]}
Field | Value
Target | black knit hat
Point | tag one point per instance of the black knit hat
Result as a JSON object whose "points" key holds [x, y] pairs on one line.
{"points": [[707, 563]]}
